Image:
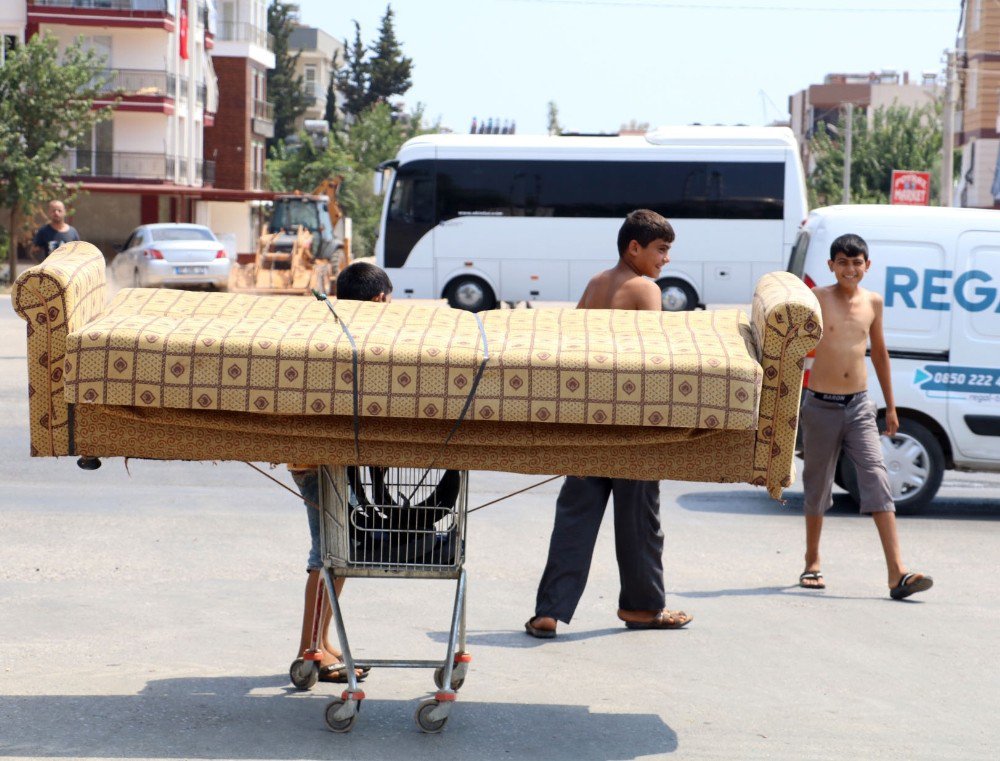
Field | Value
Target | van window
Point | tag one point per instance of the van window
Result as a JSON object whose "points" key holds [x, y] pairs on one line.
{"points": [[675, 189], [797, 261]]}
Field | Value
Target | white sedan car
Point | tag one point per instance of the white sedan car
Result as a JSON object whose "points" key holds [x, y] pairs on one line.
{"points": [[171, 254]]}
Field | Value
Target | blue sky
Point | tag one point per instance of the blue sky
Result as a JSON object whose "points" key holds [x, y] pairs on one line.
{"points": [[605, 62]]}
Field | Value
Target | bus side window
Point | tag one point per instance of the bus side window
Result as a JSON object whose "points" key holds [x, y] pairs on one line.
{"points": [[411, 211]]}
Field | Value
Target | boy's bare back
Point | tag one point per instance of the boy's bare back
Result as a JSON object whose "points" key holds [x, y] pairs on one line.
{"points": [[839, 366], [620, 288]]}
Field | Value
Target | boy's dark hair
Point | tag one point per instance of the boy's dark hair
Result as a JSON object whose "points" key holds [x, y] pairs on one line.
{"points": [[644, 226], [850, 244], [363, 281]]}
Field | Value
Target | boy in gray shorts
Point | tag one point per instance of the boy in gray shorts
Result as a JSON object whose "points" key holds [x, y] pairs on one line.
{"points": [[837, 413]]}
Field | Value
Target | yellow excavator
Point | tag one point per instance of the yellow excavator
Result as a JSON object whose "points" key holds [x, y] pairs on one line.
{"points": [[306, 245]]}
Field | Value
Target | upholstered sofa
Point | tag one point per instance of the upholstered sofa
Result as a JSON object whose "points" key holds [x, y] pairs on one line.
{"points": [[168, 374]]}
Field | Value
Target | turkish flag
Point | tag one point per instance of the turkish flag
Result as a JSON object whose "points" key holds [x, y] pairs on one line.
{"points": [[184, 29]]}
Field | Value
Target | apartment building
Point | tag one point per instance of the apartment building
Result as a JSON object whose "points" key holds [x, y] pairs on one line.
{"points": [[867, 92], [242, 52], [977, 122], [316, 50], [145, 164]]}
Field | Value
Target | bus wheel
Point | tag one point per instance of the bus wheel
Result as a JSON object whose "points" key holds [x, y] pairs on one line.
{"points": [[677, 296], [471, 294], [914, 461]]}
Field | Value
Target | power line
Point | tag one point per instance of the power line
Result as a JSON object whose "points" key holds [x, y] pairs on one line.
{"points": [[730, 7]]}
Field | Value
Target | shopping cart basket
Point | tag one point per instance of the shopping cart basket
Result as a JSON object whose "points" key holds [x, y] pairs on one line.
{"points": [[379, 522]]}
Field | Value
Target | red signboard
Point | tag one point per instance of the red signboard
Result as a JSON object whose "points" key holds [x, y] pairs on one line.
{"points": [[910, 188]]}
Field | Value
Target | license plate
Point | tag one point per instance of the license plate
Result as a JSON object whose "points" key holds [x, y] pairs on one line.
{"points": [[190, 270]]}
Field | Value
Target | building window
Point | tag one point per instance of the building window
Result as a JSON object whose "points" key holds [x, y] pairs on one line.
{"points": [[972, 89], [7, 44], [310, 81], [977, 14]]}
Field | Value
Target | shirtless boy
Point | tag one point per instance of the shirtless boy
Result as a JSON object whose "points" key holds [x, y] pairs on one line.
{"points": [[644, 242], [836, 412]]}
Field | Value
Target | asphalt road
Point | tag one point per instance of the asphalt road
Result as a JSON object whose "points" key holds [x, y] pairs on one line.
{"points": [[152, 612]]}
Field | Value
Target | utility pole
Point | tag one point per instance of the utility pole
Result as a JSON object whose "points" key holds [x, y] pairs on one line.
{"points": [[847, 153], [948, 129]]}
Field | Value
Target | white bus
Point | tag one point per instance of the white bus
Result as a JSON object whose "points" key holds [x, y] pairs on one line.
{"points": [[478, 219]]}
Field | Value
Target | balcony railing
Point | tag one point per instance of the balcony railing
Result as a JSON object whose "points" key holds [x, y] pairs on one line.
{"points": [[263, 109], [238, 31], [147, 82], [121, 165], [156, 6]]}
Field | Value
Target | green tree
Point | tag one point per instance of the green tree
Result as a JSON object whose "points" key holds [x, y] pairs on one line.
{"points": [[46, 110], [389, 69], [353, 77], [353, 151], [330, 111], [893, 137], [285, 88], [554, 127]]}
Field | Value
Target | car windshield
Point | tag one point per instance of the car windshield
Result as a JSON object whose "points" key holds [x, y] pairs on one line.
{"points": [[161, 234]]}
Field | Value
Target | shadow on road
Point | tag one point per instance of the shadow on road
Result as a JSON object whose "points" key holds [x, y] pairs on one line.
{"points": [[758, 503], [519, 640], [253, 718]]}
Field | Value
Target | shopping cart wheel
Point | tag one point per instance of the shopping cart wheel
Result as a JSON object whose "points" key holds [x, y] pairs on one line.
{"points": [[457, 677], [424, 720], [304, 674], [339, 724]]}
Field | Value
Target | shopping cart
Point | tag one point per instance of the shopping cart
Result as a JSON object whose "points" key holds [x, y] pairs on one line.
{"points": [[379, 522]]}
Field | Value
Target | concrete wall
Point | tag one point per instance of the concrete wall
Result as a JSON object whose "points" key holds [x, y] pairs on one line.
{"points": [[229, 218], [105, 219]]}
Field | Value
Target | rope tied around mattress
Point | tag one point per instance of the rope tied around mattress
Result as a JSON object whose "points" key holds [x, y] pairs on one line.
{"points": [[354, 373], [320, 296], [315, 506]]}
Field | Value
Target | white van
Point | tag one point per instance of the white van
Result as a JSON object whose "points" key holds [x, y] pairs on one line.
{"points": [[938, 270], [479, 219]]}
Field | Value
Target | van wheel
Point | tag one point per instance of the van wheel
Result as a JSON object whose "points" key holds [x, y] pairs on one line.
{"points": [[677, 296], [471, 294], [914, 460]]}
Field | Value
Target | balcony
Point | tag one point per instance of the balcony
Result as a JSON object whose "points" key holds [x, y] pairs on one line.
{"points": [[154, 14], [142, 82], [263, 118], [123, 166], [161, 6], [233, 31]]}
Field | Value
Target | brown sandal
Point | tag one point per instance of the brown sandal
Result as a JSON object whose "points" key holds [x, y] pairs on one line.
{"points": [[664, 619]]}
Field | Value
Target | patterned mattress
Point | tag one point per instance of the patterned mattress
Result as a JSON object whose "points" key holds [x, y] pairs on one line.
{"points": [[288, 355]]}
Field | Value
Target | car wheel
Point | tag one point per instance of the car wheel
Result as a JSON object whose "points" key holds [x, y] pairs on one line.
{"points": [[914, 461], [677, 296], [471, 294]]}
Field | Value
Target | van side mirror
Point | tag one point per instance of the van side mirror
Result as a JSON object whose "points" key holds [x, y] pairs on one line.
{"points": [[377, 183]]}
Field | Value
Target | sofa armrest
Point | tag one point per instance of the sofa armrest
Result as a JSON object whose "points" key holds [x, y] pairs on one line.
{"points": [[60, 295], [787, 324]]}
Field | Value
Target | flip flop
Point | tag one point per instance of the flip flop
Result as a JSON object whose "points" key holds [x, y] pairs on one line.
{"points": [[337, 673], [664, 619], [910, 584], [534, 631], [812, 576]]}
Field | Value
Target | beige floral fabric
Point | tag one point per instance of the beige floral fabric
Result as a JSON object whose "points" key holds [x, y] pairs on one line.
{"points": [[787, 325], [626, 394], [62, 294], [288, 355]]}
